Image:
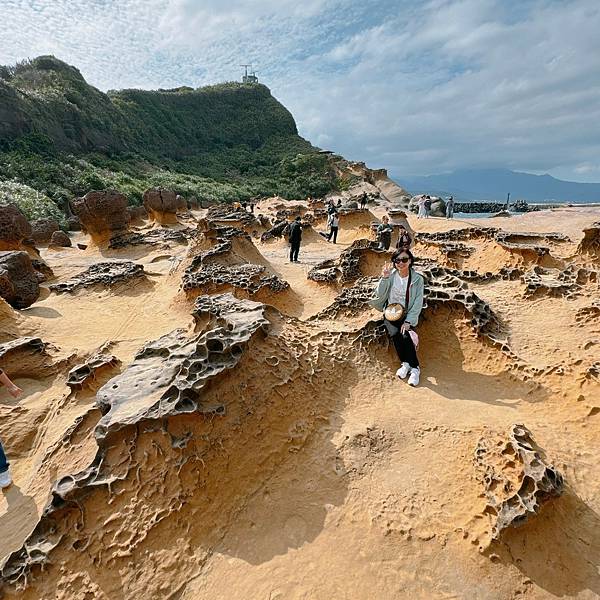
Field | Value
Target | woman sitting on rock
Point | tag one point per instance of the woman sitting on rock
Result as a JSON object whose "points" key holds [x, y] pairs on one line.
{"points": [[399, 295]]}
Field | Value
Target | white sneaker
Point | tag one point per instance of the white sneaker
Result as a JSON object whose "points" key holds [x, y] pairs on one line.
{"points": [[402, 372], [414, 377], [5, 479]]}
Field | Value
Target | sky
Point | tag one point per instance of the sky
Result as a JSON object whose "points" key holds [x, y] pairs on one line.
{"points": [[417, 87]]}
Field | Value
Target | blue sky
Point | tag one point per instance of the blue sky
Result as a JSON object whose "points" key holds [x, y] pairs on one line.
{"points": [[415, 87]]}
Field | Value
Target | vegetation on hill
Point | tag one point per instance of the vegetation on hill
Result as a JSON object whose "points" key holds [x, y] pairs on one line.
{"points": [[63, 137]]}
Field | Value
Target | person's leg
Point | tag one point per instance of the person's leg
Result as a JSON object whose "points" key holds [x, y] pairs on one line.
{"points": [[335, 232], [4, 464], [296, 251], [406, 349]]}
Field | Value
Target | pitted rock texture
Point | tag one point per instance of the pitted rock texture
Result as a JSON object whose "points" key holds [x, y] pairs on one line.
{"points": [[517, 478], [14, 227], [102, 212], [162, 205], [19, 282], [42, 230], [154, 237], [60, 239], [167, 376], [248, 277], [226, 212], [566, 283], [347, 268], [454, 235], [105, 274], [26, 357], [84, 374], [441, 287], [205, 275], [590, 244]]}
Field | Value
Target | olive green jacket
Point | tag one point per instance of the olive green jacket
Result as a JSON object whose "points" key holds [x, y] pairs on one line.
{"points": [[415, 296]]}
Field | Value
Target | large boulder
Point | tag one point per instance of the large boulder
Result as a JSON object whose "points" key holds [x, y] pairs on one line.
{"points": [[19, 284], [42, 230], [102, 213], [60, 239], [73, 223], [14, 227], [162, 205]]}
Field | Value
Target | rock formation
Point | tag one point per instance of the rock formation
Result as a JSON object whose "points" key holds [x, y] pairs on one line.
{"points": [[162, 205], [104, 274], [42, 230], [26, 357], [155, 237], [85, 374], [14, 227], [102, 214], [590, 244], [60, 239], [517, 478], [19, 283]]}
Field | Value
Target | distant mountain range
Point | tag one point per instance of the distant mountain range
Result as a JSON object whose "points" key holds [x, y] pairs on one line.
{"points": [[495, 184]]}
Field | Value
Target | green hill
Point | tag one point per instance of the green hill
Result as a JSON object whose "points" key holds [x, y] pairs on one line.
{"points": [[63, 137]]}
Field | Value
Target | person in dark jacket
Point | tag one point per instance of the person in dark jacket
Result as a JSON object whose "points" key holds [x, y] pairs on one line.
{"points": [[295, 237], [404, 240]]}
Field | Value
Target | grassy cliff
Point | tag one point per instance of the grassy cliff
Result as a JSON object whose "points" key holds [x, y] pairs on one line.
{"points": [[63, 137]]}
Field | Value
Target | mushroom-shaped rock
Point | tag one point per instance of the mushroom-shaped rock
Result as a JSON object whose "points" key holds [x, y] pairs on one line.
{"points": [[162, 205], [42, 230], [14, 227], [137, 212], [102, 213], [517, 478], [60, 239], [19, 284]]}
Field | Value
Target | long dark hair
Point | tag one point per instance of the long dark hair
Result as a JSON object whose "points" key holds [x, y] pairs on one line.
{"points": [[398, 253]]}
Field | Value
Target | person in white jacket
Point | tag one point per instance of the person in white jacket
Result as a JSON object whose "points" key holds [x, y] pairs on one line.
{"points": [[333, 222]]}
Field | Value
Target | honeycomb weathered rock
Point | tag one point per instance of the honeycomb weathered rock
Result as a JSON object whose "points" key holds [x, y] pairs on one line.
{"points": [[154, 237], [102, 212], [516, 476], [83, 374], [19, 281], [14, 227], [104, 274], [590, 244], [347, 267], [565, 283]]}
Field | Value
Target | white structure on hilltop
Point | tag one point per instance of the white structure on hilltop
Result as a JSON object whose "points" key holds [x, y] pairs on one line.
{"points": [[249, 77]]}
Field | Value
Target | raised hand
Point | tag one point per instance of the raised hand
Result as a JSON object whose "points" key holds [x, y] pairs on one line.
{"points": [[387, 270]]}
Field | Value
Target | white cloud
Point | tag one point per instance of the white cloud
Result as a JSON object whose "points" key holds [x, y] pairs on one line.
{"points": [[417, 87]]}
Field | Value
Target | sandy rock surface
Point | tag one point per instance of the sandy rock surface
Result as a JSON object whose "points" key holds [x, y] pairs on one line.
{"points": [[202, 418]]}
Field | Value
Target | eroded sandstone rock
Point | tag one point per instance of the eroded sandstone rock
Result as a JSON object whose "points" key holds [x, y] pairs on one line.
{"points": [[60, 239], [14, 227], [162, 205], [19, 282], [85, 373], [154, 237], [42, 230], [590, 244], [105, 274], [102, 213], [26, 357], [517, 478]]}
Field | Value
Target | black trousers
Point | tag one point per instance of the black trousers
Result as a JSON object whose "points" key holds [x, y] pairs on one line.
{"points": [[405, 349], [332, 233], [294, 250]]}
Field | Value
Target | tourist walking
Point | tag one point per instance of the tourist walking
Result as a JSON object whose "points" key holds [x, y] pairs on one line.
{"points": [[427, 205], [15, 391], [333, 222], [450, 207], [399, 295], [384, 233], [363, 200], [295, 238]]}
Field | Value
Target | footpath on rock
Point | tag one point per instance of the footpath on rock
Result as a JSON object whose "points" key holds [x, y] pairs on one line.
{"points": [[202, 418]]}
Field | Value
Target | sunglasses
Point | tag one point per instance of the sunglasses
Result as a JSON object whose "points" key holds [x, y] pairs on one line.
{"points": [[404, 259]]}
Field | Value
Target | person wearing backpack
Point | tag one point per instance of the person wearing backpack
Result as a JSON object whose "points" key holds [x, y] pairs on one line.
{"points": [[427, 206], [295, 238]]}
